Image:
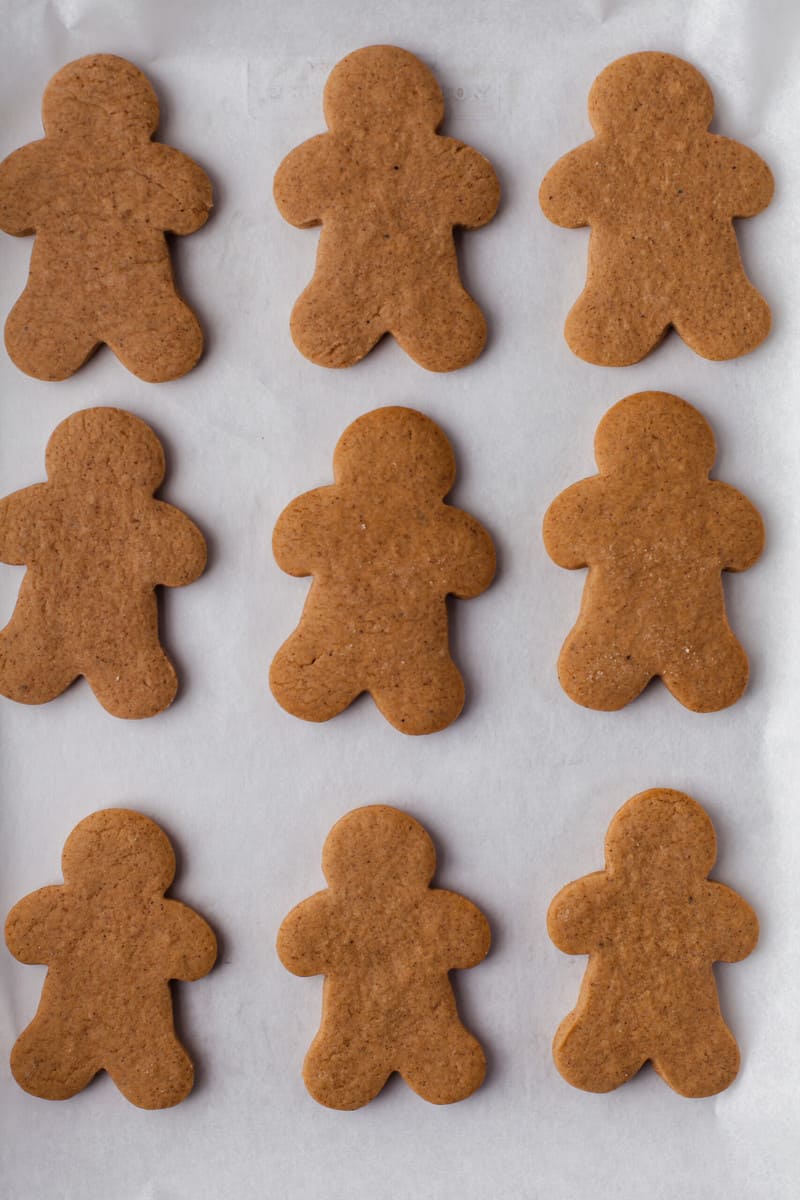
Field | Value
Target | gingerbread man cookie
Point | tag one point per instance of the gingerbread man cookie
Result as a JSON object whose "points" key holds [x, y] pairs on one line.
{"points": [[111, 942], [660, 194], [388, 191], [385, 552], [100, 195], [385, 941], [656, 534], [652, 924], [96, 544]]}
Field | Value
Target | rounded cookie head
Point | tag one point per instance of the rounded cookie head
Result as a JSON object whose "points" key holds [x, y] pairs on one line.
{"points": [[99, 93], [121, 849], [105, 447], [382, 87], [395, 446], [649, 90], [378, 847], [653, 431], [661, 833]]}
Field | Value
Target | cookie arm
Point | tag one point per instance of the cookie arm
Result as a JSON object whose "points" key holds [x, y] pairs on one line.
{"points": [[178, 193], [471, 181], [574, 916], [745, 180], [17, 520], [567, 195], [741, 527], [23, 188], [177, 547], [192, 946], [299, 538], [731, 924], [459, 933], [35, 926], [304, 938], [565, 529], [469, 552], [302, 182]]}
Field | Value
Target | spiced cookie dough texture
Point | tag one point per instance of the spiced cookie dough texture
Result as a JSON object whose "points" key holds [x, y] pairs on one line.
{"points": [[99, 194], [388, 191], [385, 941], [656, 534], [385, 551], [660, 194], [96, 544], [111, 942], [652, 924]]}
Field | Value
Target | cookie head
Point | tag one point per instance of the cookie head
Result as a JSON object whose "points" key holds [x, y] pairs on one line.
{"points": [[382, 87], [654, 431], [105, 447], [100, 94], [119, 849], [661, 834], [647, 91], [378, 848], [395, 447]]}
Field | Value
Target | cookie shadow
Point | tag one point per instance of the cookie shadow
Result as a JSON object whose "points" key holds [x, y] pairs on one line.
{"points": [[472, 1004], [177, 987]]}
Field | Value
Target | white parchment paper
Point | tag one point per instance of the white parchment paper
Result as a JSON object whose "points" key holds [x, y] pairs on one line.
{"points": [[518, 793]]}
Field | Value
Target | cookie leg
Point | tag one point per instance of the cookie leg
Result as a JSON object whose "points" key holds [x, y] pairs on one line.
{"points": [[702, 1062], [731, 320], [44, 340], [343, 1075], [446, 1066], [612, 333], [441, 330], [332, 331], [708, 678], [311, 681], [51, 1060], [594, 1053], [424, 696], [139, 683], [32, 667], [597, 673], [151, 1071], [156, 341]]}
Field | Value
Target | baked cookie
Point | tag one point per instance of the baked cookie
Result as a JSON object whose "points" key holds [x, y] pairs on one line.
{"points": [[385, 941], [96, 545], [652, 924], [99, 194], [660, 194], [656, 535], [388, 191], [111, 942], [385, 552]]}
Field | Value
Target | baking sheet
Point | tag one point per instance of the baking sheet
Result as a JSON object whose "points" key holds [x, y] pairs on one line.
{"points": [[518, 793]]}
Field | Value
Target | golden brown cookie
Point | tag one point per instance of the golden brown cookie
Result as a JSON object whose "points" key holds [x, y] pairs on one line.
{"points": [[111, 942], [99, 195], [96, 544], [385, 552], [652, 925], [656, 534], [660, 194], [388, 192], [385, 941]]}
